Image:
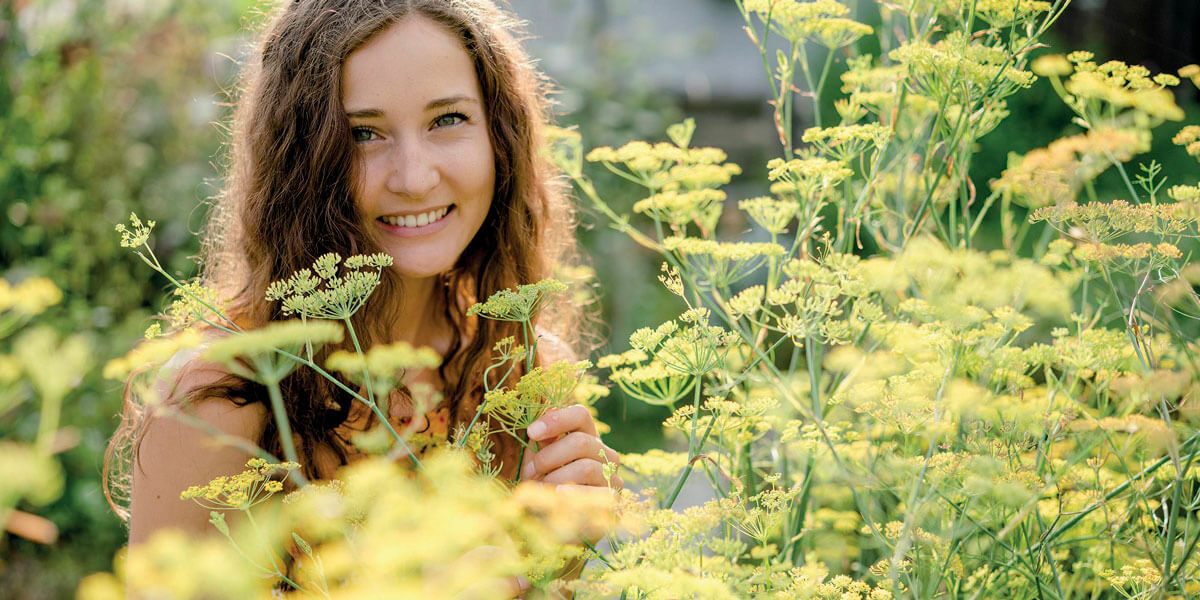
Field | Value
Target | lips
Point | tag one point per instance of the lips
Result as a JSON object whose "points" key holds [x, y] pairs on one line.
{"points": [[418, 219], [414, 224]]}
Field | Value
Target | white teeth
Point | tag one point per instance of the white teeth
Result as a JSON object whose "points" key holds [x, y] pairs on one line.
{"points": [[420, 220]]}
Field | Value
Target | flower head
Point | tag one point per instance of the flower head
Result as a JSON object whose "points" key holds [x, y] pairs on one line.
{"points": [[322, 293], [519, 305], [137, 233]]}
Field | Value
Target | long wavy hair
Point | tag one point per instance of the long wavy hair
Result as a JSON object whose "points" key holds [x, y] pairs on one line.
{"points": [[289, 198]]}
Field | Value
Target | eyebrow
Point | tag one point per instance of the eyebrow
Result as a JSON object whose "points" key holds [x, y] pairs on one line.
{"points": [[372, 113]]}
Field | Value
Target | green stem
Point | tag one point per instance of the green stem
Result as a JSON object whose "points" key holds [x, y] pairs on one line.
{"points": [[281, 421]]}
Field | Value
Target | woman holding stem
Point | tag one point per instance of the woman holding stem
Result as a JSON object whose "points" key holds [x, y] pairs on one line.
{"points": [[404, 127]]}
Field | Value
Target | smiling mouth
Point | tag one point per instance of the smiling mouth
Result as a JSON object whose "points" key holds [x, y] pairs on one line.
{"points": [[419, 220]]}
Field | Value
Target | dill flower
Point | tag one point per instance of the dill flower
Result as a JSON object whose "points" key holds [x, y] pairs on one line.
{"points": [[771, 214], [321, 293], [655, 468], [29, 298], [554, 385], [652, 383], [540, 389], [1191, 72], [643, 160], [1189, 138], [845, 142], [519, 305], [150, 353], [723, 263], [747, 302], [1133, 580], [174, 564], [1185, 193], [671, 279], [1120, 86], [1098, 252], [958, 69], [507, 349], [680, 208], [564, 148], [821, 20], [1057, 172], [243, 491], [261, 347], [1105, 220], [1052, 65], [194, 302], [1003, 13], [385, 363], [137, 233], [806, 176], [646, 340], [695, 176], [696, 350]]}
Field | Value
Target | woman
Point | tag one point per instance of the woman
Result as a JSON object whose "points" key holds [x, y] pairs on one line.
{"points": [[409, 127]]}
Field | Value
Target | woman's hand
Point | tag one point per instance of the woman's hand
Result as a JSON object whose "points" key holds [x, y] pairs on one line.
{"points": [[571, 453]]}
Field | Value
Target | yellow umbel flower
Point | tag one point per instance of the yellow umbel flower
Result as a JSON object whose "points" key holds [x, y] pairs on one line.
{"points": [[322, 293], [823, 21], [30, 297], [137, 234], [242, 491], [519, 305]]}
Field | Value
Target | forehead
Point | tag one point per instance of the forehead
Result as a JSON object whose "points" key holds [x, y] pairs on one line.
{"points": [[410, 62]]}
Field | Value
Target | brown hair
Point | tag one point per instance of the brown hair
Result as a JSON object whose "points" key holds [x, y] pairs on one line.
{"points": [[289, 198]]}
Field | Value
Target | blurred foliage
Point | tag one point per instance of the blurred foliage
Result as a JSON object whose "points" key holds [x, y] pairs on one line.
{"points": [[105, 108]]}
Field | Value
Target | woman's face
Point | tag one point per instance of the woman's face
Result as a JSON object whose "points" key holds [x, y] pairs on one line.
{"points": [[426, 165]]}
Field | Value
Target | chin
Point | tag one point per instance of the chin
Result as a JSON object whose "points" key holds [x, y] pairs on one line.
{"points": [[410, 269]]}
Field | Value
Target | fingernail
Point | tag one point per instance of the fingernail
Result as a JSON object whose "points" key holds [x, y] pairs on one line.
{"points": [[529, 471], [537, 430], [522, 583]]}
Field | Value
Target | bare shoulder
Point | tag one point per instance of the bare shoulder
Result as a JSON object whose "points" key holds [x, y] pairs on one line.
{"points": [[552, 348], [187, 441]]}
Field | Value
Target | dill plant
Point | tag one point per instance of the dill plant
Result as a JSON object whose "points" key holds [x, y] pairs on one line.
{"points": [[933, 420], [936, 420]]}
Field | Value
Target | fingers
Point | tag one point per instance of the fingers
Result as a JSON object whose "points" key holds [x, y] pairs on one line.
{"points": [[558, 421], [574, 446], [585, 471]]}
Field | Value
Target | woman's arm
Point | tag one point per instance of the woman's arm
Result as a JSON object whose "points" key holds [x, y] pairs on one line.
{"points": [[175, 455]]}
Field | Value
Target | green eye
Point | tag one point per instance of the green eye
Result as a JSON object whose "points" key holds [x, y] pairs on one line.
{"points": [[361, 134], [449, 119]]}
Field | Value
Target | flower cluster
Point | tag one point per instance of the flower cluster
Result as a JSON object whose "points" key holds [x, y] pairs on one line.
{"points": [[242, 491], [1115, 85], [1057, 172], [384, 364], [539, 390], [958, 69], [845, 142], [823, 21], [723, 263], [1105, 220], [808, 177], [137, 233], [519, 305], [322, 293], [263, 347], [1189, 138]]}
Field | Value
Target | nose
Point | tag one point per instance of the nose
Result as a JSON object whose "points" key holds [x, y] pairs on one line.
{"points": [[413, 169]]}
